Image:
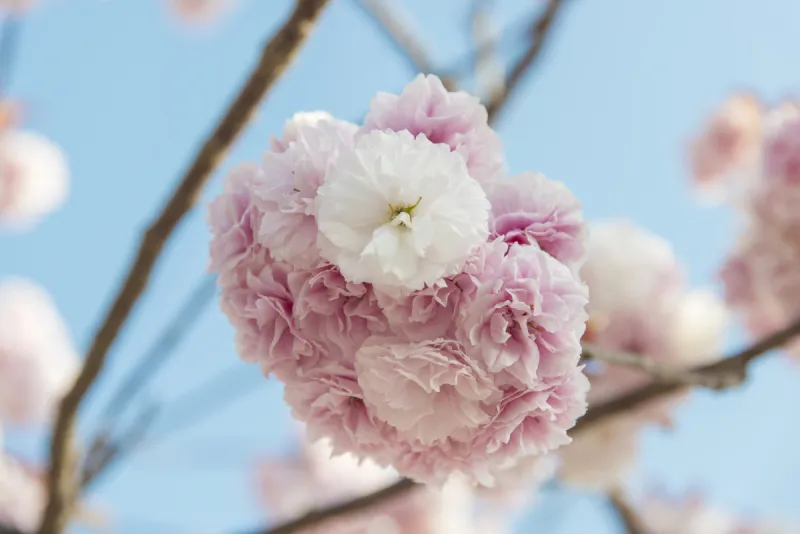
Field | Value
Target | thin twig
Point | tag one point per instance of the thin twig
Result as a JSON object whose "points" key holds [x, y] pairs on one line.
{"points": [[726, 373], [162, 348], [110, 451], [627, 514], [389, 21], [488, 69], [276, 56], [656, 370], [539, 31], [318, 517]]}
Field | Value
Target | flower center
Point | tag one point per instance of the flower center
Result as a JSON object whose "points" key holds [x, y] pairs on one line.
{"points": [[400, 215]]}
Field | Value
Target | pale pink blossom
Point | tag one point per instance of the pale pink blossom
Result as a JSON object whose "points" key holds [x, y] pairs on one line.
{"points": [[333, 312], [292, 175], [290, 487], [728, 144], [38, 361], [261, 311], [530, 209], [234, 220], [22, 495], [428, 313], [34, 178], [692, 515], [602, 457], [429, 391], [782, 155], [517, 483], [525, 316], [400, 212], [456, 119]]}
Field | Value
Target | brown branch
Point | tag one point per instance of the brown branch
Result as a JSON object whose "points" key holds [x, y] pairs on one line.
{"points": [[539, 31], [656, 370], [318, 517], [276, 56], [627, 514], [388, 21], [727, 373]]}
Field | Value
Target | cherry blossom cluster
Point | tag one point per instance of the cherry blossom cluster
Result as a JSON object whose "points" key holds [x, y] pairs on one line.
{"points": [[692, 515], [757, 170], [639, 305], [422, 309], [289, 487]]}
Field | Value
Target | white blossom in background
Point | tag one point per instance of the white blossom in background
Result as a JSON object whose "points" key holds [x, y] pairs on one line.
{"points": [[34, 178], [38, 361], [638, 304]]}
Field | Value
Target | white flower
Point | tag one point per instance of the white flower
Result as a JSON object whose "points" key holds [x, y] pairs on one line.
{"points": [[699, 323], [400, 212], [34, 178]]}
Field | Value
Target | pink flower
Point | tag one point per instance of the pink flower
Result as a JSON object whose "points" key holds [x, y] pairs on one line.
{"points": [[729, 142], [330, 401], [782, 154], [530, 209], [38, 362], [333, 312], [16, 5], [293, 173], [260, 309], [199, 11], [34, 178], [233, 220], [525, 317], [455, 119], [424, 314], [428, 391]]}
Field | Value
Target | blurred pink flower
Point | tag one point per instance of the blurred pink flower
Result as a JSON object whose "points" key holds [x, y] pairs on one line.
{"points": [[22, 495], [530, 209], [728, 144], [16, 5], [456, 119], [38, 362], [199, 11], [34, 178]]}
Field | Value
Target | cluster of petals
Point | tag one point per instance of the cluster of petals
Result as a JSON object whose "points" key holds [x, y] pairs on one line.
{"points": [[760, 278], [38, 361], [423, 310], [692, 515], [639, 305], [288, 487], [34, 178]]}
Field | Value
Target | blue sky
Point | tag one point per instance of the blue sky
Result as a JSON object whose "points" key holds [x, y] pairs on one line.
{"points": [[129, 94]]}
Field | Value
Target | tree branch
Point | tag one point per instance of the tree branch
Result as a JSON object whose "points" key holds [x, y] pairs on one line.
{"points": [[539, 31], [389, 22], [276, 56], [318, 517], [727, 373], [627, 514]]}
